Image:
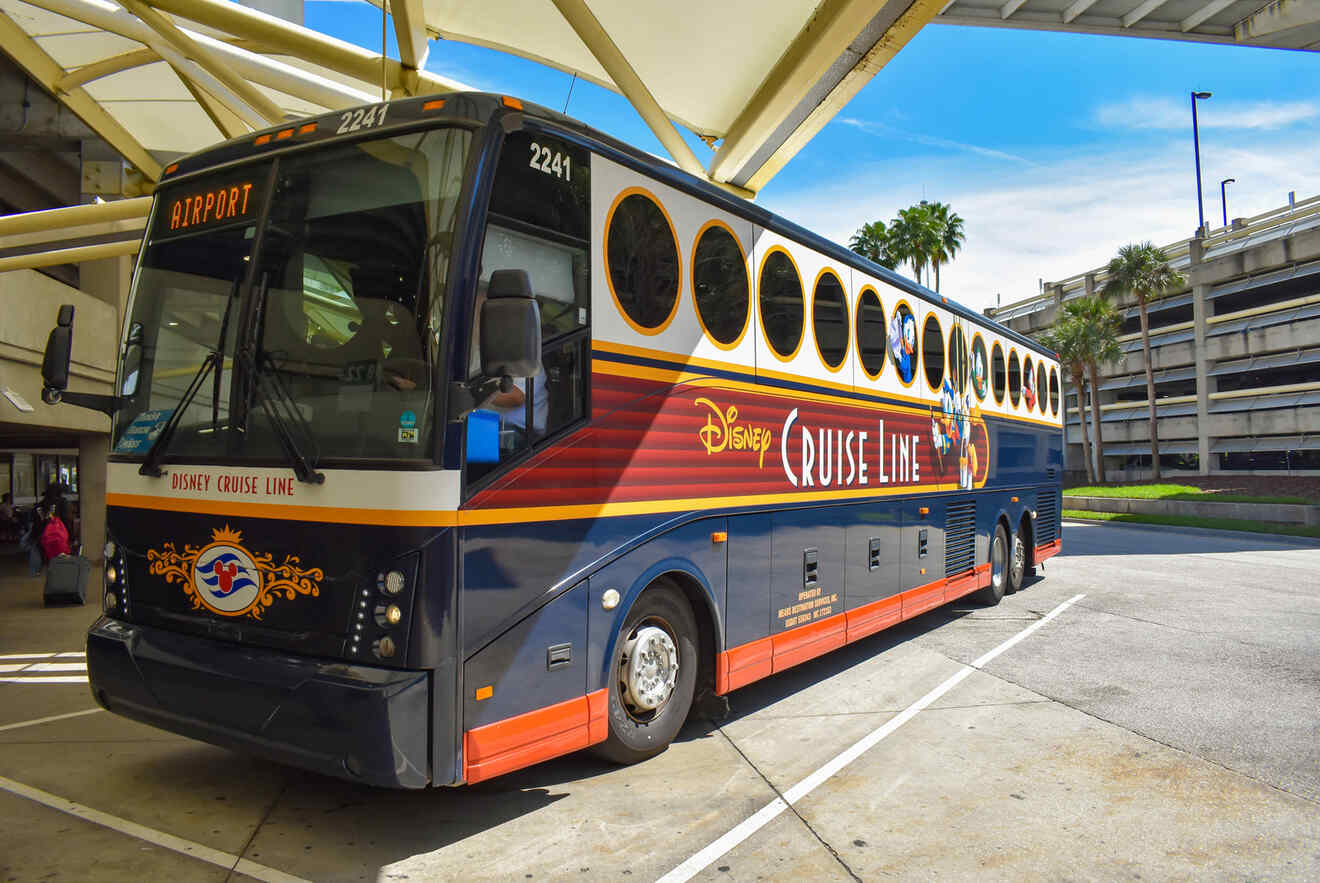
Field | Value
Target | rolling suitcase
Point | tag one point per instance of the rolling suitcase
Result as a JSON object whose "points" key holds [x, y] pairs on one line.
{"points": [[66, 580]]}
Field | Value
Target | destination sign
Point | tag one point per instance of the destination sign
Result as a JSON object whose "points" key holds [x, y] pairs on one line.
{"points": [[209, 203]]}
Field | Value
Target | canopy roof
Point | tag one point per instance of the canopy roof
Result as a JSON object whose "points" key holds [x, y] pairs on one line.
{"points": [[756, 79]]}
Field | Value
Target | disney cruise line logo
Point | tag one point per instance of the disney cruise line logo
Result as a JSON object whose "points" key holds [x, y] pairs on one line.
{"points": [[225, 578]]}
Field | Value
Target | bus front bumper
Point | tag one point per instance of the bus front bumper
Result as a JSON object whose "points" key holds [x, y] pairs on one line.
{"points": [[364, 724]]}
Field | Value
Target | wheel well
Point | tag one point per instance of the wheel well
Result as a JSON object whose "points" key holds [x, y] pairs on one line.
{"points": [[701, 612]]}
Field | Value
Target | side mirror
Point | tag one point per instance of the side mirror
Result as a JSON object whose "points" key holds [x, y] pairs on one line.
{"points": [[510, 327], [59, 349]]}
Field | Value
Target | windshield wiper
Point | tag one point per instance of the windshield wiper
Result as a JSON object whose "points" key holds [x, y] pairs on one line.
{"points": [[282, 412], [151, 465]]}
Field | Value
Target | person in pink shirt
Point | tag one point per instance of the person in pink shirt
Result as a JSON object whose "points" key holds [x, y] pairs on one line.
{"points": [[55, 538]]}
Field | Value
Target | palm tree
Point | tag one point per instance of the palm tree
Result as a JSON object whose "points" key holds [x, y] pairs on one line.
{"points": [[1144, 271], [949, 228], [872, 241], [914, 237], [1067, 339], [1098, 323]]}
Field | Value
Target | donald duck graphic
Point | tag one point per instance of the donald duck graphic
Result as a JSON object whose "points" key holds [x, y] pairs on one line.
{"points": [[951, 428], [903, 343]]}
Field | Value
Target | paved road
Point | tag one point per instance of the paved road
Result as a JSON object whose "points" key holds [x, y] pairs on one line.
{"points": [[1167, 725]]}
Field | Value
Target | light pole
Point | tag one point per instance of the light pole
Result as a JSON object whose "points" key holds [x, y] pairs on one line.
{"points": [[1196, 145], [1223, 196]]}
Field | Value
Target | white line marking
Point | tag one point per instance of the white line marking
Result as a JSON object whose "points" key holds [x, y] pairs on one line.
{"points": [[57, 666], [46, 720], [27, 656], [46, 679], [76, 654], [740, 832], [225, 860], [13, 666]]}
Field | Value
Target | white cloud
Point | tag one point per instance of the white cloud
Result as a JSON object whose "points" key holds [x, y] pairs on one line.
{"points": [[1168, 114], [1065, 217], [882, 130]]}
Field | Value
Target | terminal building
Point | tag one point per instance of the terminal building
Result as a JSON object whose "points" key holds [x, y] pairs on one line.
{"points": [[1236, 355]]}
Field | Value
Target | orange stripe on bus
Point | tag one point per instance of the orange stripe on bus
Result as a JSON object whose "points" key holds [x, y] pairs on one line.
{"points": [[1049, 550], [741, 665], [520, 741], [331, 514]]}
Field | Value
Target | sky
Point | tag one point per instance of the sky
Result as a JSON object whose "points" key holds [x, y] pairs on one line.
{"points": [[1055, 149]]}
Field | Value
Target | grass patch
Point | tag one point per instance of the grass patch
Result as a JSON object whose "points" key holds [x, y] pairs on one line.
{"points": [[1292, 530], [1174, 492]]}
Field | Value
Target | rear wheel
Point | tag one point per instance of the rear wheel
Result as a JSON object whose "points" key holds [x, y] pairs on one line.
{"points": [[994, 593], [1017, 566], [652, 677]]}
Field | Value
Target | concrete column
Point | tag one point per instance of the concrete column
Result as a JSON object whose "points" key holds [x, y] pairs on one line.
{"points": [[92, 453]]}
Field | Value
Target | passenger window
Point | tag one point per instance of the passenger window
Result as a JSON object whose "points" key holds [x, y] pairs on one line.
{"points": [[538, 223], [1014, 378], [903, 342], [641, 257], [871, 333], [1040, 384], [979, 369], [720, 286], [959, 366], [1054, 392], [932, 345], [1029, 384], [829, 320], [780, 299], [997, 373]]}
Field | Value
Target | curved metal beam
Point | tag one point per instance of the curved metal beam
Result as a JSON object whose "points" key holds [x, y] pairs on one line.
{"points": [[105, 67]]}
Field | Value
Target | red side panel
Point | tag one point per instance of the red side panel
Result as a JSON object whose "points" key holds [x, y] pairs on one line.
{"points": [[521, 741], [966, 583], [808, 641], [871, 618], [742, 665], [922, 598], [1048, 551]]}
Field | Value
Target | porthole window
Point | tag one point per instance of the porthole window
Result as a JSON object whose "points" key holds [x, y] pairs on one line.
{"points": [[641, 259], [998, 376], [1028, 384], [780, 299], [1040, 384], [829, 320], [932, 352], [903, 342], [979, 368], [1054, 392], [959, 364], [871, 333], [1014, 378], [720, 286]]}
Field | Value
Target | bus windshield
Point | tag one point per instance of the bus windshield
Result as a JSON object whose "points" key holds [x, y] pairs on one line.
{"points": [[316, 279]]}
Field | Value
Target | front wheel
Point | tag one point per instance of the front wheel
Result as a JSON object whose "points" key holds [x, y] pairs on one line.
{"points": [[652, 677], [994, 593]]}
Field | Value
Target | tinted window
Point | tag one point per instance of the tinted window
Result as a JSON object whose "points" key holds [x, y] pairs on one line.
{"points": [[1040, 384], [720, 285], [1054, 391], [979, 369], [780, 298], [829, 320], [959, 369], [642, 259], [903, 342], [997, 375], [1028, 384], [932, 345], [871, 332], [1014, 378]]}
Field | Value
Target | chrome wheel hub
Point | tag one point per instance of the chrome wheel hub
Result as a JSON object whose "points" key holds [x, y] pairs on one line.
{"points": [[998, 559], [648, 669], [1019, 560]]}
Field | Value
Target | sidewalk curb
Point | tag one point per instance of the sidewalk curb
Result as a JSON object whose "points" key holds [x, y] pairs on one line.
{"points": [[1312, 542]]}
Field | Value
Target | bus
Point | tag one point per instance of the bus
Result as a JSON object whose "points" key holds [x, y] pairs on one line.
{"points": [[451, 435]]}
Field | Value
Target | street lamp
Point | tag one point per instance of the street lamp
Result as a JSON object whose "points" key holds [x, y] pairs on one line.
{"points": [[1223, 196], [1196, 145]]}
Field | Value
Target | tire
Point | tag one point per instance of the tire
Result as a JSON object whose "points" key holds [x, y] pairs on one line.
{"points": [[645, 711], [994, 593], [1017, 568]]}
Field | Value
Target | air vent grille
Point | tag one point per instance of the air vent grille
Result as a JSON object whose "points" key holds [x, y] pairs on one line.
{"points": [[959, 537], [1047, 517]]}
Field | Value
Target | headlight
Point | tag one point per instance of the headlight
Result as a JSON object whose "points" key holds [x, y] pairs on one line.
{"points": [[384, 648], [111, 574], [110, 601], [110, 549], [393, 582]]}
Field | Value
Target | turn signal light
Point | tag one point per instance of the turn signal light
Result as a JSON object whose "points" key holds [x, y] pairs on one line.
{"points": [[511, 102]]}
